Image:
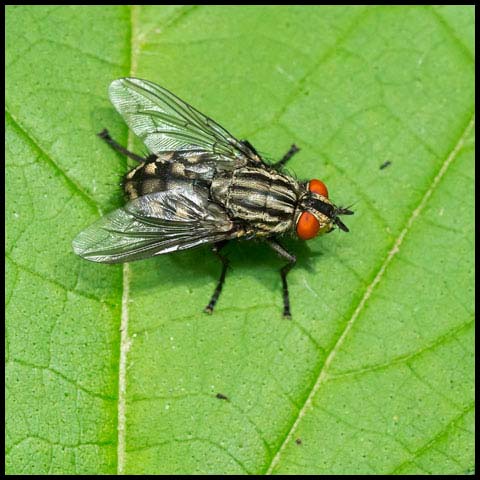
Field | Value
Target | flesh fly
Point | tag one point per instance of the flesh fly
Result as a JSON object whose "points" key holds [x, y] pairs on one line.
{"points": [[200, 185]]}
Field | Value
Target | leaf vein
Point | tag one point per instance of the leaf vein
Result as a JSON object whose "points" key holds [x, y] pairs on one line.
{"points": [[64, 377], [439, 341], [390, 255], [194, 439], [439, 435], [125, 341], [57, 284], [451, 33], [334, 48], [73, 185]]}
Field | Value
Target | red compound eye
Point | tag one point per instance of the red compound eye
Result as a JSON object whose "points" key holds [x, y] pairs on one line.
{"points": [[307, 226], [317, 186]]}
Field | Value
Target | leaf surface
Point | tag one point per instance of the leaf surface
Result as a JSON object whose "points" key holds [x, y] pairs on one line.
{"points": [[116, 369]]}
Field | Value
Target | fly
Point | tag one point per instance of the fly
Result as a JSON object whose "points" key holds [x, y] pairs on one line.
{"points": [[200, 185]]}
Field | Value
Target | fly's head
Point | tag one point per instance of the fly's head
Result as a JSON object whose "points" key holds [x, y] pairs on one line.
{"points": [[316, 213]]}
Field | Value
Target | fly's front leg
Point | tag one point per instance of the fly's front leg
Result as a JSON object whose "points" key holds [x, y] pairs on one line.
{"points": [[283, 273], [104, 135], [281, 163], [216, 250]]}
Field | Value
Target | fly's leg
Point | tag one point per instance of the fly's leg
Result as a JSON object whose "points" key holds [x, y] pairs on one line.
{"points": [[283, 273], [216, 250], [104, 135], [281, 163], [250, 146]]}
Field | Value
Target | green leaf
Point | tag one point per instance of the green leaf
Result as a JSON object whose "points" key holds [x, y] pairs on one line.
{"points": [[116, 369]]}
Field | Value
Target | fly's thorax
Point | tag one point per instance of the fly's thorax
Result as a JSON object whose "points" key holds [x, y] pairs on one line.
{"points": [[262, 199]]}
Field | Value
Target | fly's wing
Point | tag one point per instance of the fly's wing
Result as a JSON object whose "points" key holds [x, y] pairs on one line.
{"points": [[165, 123], [153, 224]]}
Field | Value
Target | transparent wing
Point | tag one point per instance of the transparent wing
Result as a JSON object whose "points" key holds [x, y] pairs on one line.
{"points": [[165, 123], [153, 224]]}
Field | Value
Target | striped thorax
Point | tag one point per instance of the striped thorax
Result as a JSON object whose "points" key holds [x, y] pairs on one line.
{"points": [[264, 199]]}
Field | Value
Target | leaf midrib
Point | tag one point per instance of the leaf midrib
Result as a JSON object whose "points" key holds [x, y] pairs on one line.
{"points": [[125, 341]]}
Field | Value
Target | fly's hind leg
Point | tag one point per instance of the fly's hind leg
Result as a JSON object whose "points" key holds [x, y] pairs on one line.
{"points": [[283, 273], [281, 163], [216, 250], [104, 135]]}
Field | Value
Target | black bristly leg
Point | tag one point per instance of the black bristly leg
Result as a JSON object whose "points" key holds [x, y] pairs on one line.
{"points": [[283, 273], [104, 135], [216, 250], [281, 163], [250, 146]]}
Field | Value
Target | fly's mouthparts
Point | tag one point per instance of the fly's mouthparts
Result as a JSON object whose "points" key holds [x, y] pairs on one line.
{"points": [[340, 224], [332, 212], [337, 221]]}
